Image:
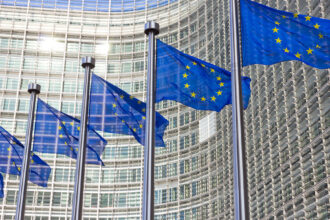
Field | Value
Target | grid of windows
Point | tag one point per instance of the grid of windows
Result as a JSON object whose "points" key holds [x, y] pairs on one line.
{"points": [[286, 122]]}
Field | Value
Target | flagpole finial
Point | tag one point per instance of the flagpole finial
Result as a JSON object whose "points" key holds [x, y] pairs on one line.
{"points": [[33, 87], [151, 26], [88, 61]]}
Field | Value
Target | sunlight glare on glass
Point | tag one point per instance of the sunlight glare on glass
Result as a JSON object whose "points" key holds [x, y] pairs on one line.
{"points": [[102, 48], [51, 44]]}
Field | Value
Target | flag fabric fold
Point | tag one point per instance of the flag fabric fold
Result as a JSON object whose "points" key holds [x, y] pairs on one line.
{"points": [[194, 82], [1, 186], [270, 36], [58, 133], [113, 110], [11, 160]]}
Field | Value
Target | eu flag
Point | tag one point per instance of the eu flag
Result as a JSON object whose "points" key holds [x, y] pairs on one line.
{"points": [[113, 110], [270, 36], [58, 133], [194, 82], [11, 160], [1, 186]]}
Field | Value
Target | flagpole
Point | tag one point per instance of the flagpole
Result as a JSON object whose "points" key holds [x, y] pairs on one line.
{"points": [[151, 29], [240, 174], [33, 89], [88, 63]]}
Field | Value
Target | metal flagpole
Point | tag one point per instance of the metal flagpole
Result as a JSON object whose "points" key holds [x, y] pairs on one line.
{"points": [[240, 180], [33, 89], [88, 63], [151, 29]]}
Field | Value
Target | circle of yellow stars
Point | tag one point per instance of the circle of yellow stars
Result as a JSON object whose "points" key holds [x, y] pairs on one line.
{"points": [[193, 94], [9, 149], [286, 49], [61, 135], [140, 125]]}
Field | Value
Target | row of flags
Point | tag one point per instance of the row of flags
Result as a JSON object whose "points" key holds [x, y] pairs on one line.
{"points": [[115, 111], [268, 36]]}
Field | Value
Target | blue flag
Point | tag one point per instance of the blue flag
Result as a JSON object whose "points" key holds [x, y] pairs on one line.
{"points": [[270, 36], [58, 133], [194, 82], [1, 186], [11, 160], [113, 110]]}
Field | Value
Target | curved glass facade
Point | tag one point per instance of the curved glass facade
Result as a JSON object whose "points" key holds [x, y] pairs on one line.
{"points": [[286, 123], [90, 5]]}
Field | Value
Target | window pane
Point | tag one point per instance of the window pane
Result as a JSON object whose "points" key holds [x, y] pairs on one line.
{"points": [[12, 83], [126, 67], [9, 104]]}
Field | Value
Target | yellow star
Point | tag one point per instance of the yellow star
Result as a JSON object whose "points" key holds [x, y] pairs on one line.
{"points": [[283, 16], [9, 149], [143, 110], [213, 98], [123, 121], [317, 46], [320, 36], [59, 128], [63, 122], [32, 154], [275, 30], [13, 142], [78, 128], [134, 129], [71, 148], [114, 105], [277, 23], [116, 114], [139, 102], [186, 85], [203, 99], [193, 94], [202, 65], [317, 26], [219, 92], [212, 70], [218, 78], [298, 55], [278, 40], [308, 18], [309, 51], [61, 136], [71, 123], [13, 162], [185, 75], [19, 169], [188, 67], [131, 97], [77, 149], [144, 118], [141, 126], [65, 143], [221, 84], [286, 50], [121, 96], [32, 161], [295, 15], [194, 63]]}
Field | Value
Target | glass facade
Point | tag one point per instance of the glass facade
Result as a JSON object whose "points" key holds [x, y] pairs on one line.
{"points": [[286, 123]]}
